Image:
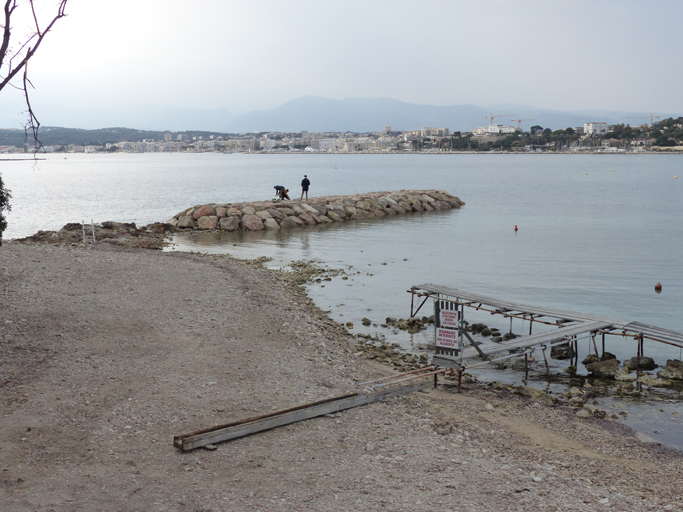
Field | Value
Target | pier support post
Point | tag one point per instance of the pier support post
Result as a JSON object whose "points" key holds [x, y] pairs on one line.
{"points": [[547, 366]]}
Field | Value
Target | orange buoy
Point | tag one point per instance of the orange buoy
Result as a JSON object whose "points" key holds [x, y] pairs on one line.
{"points": [[515, 227], [658, 287]]}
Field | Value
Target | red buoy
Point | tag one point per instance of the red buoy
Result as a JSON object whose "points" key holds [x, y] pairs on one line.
{"points": [[658, 287], [515, 227]]}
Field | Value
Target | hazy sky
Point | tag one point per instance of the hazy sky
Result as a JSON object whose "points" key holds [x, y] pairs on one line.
{"points": [[257, 54]]}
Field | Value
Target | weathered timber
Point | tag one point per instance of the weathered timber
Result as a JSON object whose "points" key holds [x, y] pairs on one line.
{"points": [[249, 426]]}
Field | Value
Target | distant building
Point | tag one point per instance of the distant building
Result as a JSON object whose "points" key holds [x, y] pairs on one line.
{"points": [[168, 137], [494, 129], [595, 128]]}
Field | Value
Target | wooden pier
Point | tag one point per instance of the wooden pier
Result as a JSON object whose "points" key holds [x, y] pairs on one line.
{"points": [[570, 326]]}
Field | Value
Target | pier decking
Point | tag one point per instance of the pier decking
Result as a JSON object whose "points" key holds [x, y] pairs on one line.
{"points": [[570, 325]]}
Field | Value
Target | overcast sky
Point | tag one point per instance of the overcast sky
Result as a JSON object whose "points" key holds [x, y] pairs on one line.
{"points": [[258, 54]]}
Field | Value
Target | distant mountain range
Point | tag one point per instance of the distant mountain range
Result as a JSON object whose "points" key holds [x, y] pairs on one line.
{"points": [[316, 114]]}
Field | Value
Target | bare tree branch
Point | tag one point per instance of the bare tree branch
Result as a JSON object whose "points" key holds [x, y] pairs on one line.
{"points": [[39, 35], [15, 55]]}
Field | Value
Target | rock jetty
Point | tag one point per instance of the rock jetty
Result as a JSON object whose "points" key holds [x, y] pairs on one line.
{"points": [[260, 215]]}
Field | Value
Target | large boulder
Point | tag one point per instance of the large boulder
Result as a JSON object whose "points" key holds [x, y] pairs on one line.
{"points": [[416, 207], [386, 202], [248, 210], [363, 205], [322, 208], [221, 212], [231, 223], [186, 222], [563, 351], [334, 216], [673, 370], [350, 210], [641, 363], [263, 215], [309, 209], [251, 223], [292, 222], [308, 219], [590, 358], [649, 380], [285, 211], [207, 222], [234, 212], [276, 214], [271, 223], [398, 208], [203, 211], [604, 369]]}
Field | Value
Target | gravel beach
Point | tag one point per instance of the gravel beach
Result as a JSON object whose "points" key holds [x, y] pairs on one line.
{"points": [[107, 352]]}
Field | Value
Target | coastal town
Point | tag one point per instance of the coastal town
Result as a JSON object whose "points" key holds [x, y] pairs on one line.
{"points": [[592, 137]]}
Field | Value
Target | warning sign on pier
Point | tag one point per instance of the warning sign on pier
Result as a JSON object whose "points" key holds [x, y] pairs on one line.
{"points": [[448, 318], [447, 338]]}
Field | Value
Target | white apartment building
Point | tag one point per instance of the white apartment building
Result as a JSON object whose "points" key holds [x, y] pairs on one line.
{"points": [[495, 129], [595, 128]]}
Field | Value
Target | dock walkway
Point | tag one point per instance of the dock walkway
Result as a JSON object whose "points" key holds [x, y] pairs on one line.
{"points": [[570, 324]]}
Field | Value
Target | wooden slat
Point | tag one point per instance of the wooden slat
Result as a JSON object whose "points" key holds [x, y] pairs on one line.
{"points": [[474, 345], [537, 339], [239, 429], [513, 306]]}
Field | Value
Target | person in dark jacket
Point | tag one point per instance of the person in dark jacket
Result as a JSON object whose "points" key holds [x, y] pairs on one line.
{"points": [[304, 187], [281, 192]]}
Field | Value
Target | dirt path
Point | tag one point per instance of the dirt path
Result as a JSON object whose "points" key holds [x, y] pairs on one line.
{"points": [[106, 353]]}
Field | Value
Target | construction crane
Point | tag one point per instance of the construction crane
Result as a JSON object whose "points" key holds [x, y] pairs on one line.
{"points": [[492, 117], [652, 117], [519, 121]]}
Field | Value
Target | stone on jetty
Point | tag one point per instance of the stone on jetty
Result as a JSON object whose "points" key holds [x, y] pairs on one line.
{"points": [[673, 370], [320, 210]]}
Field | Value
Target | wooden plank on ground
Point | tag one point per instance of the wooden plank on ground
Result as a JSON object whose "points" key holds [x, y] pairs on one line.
{"points": [[237, 429]]}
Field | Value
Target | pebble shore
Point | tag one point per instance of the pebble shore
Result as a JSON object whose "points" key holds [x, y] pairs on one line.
{"points": [[107, 352]]}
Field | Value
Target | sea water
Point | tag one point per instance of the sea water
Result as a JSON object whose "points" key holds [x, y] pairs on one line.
{"points": [[595, 232]]}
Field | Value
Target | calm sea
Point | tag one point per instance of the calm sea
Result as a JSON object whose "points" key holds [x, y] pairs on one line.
{"points": [[596, 232]]}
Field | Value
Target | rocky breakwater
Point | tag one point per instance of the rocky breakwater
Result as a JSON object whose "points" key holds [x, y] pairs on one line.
{"points": [[260, 215]]}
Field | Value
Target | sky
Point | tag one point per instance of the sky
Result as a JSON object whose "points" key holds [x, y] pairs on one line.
{"points": [[116, 56]]}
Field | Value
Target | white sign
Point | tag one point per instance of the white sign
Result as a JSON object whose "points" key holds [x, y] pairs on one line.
{"points": [[448, 318], [447, 338]]}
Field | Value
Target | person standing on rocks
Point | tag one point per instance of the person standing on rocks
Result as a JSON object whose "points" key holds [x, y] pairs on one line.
{"points": [[304, 187], [281, 192]]}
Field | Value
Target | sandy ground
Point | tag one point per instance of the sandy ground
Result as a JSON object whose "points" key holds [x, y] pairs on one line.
{"points": [[106, 353]]}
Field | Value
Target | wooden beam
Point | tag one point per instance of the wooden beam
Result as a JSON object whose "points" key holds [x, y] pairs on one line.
{"points": [[475, 345], [237, 429]]}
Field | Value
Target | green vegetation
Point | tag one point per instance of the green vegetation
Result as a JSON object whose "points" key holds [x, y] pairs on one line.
{"points": [[4, 206], [666, 133], [50, 136]]}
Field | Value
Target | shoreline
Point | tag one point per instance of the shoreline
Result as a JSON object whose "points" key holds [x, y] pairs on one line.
{"points": [[111, 351]]}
